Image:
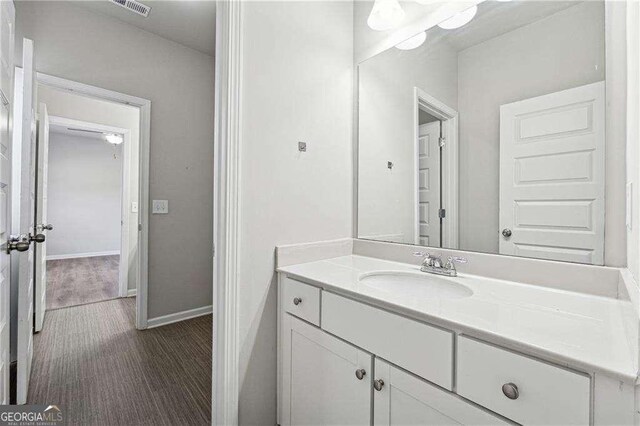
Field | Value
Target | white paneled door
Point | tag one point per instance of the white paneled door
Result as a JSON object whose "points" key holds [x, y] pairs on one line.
{"points": [[25, 138], [7, 20], [42, 226], [429, 184], [552, 174]]}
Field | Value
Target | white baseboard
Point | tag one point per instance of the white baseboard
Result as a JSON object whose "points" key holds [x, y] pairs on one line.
{"points": [[79, 255], [179, 316], [131, 292]]}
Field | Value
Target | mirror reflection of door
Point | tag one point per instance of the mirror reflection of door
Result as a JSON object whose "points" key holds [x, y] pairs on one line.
{"points": [[429, 231], [552, 176]]}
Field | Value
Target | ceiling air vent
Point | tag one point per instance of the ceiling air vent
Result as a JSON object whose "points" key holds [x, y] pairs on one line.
{"points": [[133, 6]]}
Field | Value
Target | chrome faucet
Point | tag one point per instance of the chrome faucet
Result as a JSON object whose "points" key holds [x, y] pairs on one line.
{"points": [[434, 264]]}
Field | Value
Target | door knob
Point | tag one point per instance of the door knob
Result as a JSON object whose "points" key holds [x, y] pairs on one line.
{"points": [[38, 238], [18, 243], [510, 390], [360, 373], [48, 227], [378, 384], [506, 232]]}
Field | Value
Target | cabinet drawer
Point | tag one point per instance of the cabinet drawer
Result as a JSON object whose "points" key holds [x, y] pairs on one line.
{"points": [[422, 349], [545, 394], [301, 300]]}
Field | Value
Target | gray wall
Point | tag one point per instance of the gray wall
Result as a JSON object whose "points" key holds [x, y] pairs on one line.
{"points": [[84, 195], [73, 43], [296, 86]]}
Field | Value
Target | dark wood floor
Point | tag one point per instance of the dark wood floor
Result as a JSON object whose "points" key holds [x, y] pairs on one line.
{"points": [[82, 280], [92, 362]]}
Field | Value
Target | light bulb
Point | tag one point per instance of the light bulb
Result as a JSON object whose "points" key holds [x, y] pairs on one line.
{"points": [[460, 19], [114, 139], [385, 15], [413, 42]]}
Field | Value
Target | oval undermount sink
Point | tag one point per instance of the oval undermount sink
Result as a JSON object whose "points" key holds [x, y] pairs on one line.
{"points": [[422, 285]]}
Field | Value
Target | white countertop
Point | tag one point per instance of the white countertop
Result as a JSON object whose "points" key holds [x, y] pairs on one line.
{"points": [[580, 331]]}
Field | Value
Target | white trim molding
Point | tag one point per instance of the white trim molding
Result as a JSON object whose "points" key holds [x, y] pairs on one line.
{"points": [[179, 316], [226, 223], [80, 255]]}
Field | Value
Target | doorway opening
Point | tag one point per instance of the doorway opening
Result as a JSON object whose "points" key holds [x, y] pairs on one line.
{"points": [[88, 189], [86, 199], [436, 172]]}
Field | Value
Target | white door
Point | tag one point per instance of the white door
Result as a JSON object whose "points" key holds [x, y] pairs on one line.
{"points": [[552, 152], [7, 19], [5, 260], [429, 184], [42, 226], [404, 399], [25, 138], [320, 382]]}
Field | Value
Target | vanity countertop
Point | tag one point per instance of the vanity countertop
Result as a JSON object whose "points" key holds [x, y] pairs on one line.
{"points": [[580, 331]]}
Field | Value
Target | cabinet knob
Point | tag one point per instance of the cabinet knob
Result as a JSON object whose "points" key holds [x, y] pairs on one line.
{"points": [[297, 301], [360, 373], [510, 390], [378, 384], [506, 232]]}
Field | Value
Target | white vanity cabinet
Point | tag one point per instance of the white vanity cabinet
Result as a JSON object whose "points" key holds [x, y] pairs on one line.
{"points": [[326, 381], [342, 361], [404, 399]]}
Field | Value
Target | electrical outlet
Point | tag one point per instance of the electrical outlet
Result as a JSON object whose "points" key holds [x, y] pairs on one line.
{"points": [[160, 207]]}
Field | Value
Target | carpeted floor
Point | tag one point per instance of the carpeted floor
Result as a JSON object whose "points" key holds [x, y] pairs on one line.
{"points": [[82, 280], [92, 362]]}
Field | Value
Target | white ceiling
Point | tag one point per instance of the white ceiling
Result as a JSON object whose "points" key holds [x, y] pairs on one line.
{"points": [[191, 23]]}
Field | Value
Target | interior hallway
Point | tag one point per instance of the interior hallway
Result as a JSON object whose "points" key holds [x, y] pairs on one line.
{"points": [[92, 362], [82, 280]]}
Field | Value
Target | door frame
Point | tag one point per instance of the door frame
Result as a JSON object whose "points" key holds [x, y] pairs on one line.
{"points": [[144, 105], [449, 167], [125, 196]]}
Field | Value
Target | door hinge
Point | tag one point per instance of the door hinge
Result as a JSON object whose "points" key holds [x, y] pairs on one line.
{"points": [[214, 250], [442, 213], [139, 227], [442, 142]]}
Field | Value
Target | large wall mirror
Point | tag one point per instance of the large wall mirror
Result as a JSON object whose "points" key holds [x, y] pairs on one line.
{"points": [[491, 136]]}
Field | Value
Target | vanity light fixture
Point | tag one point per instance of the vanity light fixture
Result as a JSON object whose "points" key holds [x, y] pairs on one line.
{"points": [[385, 15], [413, 42], [460, 19], [114, 139]]}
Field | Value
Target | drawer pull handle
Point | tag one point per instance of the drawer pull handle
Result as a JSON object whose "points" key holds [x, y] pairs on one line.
{"points": [[510, 390], [378, 384], [360, 373], [297, 301]]}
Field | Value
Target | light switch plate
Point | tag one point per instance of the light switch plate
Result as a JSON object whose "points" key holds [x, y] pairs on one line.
{"points": [[160, 207], [134, 207]]}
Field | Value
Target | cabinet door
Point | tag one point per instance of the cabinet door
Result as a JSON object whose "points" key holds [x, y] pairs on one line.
{"points": [[404, 399], [320, 385]]}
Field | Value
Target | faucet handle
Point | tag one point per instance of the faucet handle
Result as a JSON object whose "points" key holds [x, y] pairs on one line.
{"points": [[454, 259]]}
